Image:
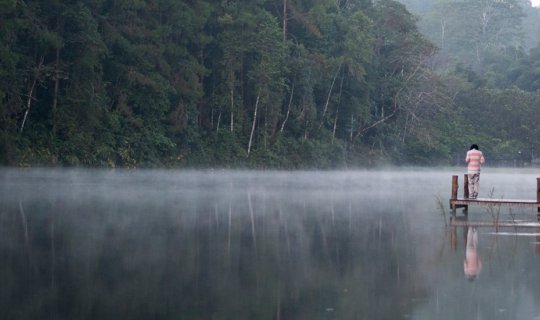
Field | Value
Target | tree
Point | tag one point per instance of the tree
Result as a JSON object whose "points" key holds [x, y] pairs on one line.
{"points": [[468, 30], [401, 64]]}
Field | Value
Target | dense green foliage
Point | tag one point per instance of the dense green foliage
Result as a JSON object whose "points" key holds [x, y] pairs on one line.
{"points": [[265, 83]]}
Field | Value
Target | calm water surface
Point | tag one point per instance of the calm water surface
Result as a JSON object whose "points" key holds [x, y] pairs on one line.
{"points": [[100, 244]]}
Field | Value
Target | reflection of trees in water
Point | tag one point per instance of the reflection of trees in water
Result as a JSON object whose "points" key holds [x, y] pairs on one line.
{"points": [[238, 256]]}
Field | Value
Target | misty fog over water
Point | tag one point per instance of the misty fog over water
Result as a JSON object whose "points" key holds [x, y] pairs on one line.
{"points": [[218, 244]]}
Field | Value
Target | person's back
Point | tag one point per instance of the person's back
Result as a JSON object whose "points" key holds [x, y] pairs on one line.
{"points": [[474, 157]]}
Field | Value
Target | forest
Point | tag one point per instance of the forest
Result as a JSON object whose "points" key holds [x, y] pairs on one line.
{"points": [[280, 84]]}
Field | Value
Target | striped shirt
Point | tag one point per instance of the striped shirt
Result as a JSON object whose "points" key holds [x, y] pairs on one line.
{"points": [[474, 158]]}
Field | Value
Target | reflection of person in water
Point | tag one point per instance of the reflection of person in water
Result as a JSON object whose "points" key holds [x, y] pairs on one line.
{"points": [[472, 264]]}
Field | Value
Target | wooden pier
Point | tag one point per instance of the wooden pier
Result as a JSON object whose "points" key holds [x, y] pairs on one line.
{"points": [[465, 202]]}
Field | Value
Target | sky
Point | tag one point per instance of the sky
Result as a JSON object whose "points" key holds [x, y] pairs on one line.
{"points": [[535, 3]]}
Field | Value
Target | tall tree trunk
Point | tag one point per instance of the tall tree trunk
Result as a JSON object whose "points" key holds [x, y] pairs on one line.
{"points": [[284, 21], [265, 131], [253, 124], [231, 95], [337, 109], [56, 86], [288, 109], [352, 130], [31, 93], [329, 95], [56, 79], [231, 98], [28, 104], [335, 126]]}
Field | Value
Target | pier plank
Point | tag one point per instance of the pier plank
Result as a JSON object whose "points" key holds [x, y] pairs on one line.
{"points": [[495, 202]]}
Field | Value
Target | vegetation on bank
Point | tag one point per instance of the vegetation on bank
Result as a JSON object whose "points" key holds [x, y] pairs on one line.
{"points": [[265, 83]]}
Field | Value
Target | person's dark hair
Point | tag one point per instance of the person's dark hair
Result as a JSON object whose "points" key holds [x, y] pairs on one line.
{"points": [[474, 146]]}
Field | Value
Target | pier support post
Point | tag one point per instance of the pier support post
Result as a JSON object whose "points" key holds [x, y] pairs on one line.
{"points": [[455, 187], [466, 186], [466, 192]]}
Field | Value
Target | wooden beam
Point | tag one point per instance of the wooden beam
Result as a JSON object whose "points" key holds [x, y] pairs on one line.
{"points": [[454, 194], [496, 202], [465, 186], [455, 187], [465, 192], [513, 224]]}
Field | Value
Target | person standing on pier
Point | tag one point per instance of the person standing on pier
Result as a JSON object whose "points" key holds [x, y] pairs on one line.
{"points": [[474, 158]]}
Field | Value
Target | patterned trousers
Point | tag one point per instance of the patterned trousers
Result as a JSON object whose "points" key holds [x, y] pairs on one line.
{"points": [[474, 183]]}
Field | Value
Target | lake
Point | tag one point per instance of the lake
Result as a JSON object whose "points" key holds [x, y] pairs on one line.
{"points": [[219, 244]]}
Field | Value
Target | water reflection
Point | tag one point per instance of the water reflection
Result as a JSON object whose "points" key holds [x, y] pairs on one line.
{"points": [[81, 249], [472, 265], [229, 245]]}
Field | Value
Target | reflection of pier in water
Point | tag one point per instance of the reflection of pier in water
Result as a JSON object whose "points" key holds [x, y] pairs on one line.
{"points": [[464, 202], [513, 225], [490, 204]]}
